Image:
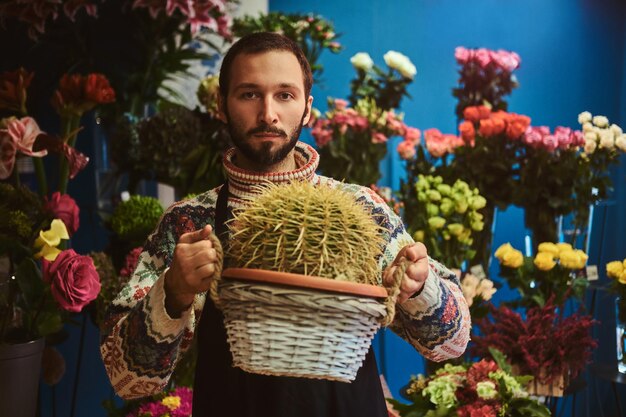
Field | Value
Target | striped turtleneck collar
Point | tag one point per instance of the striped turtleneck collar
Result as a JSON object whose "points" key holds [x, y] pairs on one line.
{"points": [[241, 182]]}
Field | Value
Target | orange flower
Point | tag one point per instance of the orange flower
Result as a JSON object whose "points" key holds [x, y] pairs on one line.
{"points": [[78, 94], [13, 86], [486, 127], [468, 133]]}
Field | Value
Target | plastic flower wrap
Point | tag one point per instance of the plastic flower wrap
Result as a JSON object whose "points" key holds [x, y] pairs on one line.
{"points": [[444, 216], [557, 270], [313, 33], [353, 140], [478, 389]]}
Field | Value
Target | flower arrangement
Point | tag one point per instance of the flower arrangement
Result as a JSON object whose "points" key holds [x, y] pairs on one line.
{"points": [[366, 127], [176, 402], [311, 32], [46, 281], [485, 77], [386, 88], [541, 344], [617, 271], [479, 389], [444, 217], [554, 272]]}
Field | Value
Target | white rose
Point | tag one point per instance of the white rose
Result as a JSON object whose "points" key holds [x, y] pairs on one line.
{"points": [[606, 139], [616, 130], [400, 62], [584, 117], [620, 142], [362, 61], [600, 121], [590, 135], [590, 146], [587, 126]]}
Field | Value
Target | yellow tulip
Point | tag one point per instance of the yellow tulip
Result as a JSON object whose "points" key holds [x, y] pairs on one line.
{"points": [[550, 248], [614, 269], [544, 261]]}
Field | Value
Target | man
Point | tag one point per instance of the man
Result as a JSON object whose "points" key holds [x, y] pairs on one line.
{"points": [[265, 85]]}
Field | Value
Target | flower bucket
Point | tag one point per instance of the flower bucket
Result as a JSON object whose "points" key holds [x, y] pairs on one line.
{"points": [[20, 366], [556, 388]]}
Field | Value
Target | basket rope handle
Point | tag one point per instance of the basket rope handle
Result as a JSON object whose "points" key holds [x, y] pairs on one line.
{"points": [[393, 292], [219, 264]]}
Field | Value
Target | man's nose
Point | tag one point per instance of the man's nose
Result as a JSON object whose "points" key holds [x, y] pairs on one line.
{"points": [[267, 113]]}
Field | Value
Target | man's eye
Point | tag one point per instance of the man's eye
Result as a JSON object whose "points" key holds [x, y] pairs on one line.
{"points": [[249, 95], [285, 96]]}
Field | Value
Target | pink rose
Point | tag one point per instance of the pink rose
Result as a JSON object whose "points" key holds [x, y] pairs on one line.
{"points": [[73, 280], [550, 142], [340, 104], [412, 134], [483, 57], [378, 137], [406, 149], [63, 207], [461, 54]]}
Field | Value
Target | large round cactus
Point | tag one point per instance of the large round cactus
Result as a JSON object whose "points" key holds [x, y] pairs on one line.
{"points": [[300, 228]]}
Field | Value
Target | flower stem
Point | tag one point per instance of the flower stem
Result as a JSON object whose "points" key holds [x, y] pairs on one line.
{"points": [[41, 176], [70, 124]]}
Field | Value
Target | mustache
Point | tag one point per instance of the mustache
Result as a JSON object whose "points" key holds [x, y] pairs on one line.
{"points": [[267, 129]]}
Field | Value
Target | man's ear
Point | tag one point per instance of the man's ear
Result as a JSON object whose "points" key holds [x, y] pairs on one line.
{"points": [[221, 108], [309, 104]]}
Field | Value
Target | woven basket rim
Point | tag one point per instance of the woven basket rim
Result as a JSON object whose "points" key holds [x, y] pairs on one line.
{"points": [[305, 281]]}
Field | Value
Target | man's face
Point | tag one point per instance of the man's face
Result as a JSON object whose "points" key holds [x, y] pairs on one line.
{"points": [[266, 107]]}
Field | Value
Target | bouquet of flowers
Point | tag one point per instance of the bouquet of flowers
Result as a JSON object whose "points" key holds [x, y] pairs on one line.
{"points": [[479, 389], [617, 271], [353, 140], [444, 217], [555, 272], [176, 402], [311, 32], [485, 77], [546, 345], [42, 280]]}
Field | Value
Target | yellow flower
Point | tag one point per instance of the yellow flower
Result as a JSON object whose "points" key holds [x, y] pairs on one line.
{"points": [[564, 247], [513, 259], [486, 289], [455, 229], [172, 402], [573, 259], [622, 277], [614, 269], [544, 261], [550, 248], [502, 250], [418, 236], [436, 222], [48, 240]]}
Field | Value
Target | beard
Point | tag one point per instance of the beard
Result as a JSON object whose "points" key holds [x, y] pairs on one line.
{"points": [[264, 155]]}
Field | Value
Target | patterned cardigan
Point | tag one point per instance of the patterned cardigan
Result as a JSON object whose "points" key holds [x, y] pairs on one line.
{"points": [[141, 344]]}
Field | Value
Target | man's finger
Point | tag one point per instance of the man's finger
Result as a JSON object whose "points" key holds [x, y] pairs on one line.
{"points": [[196, 235]]}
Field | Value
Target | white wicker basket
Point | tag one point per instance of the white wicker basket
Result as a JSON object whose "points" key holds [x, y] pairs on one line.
{"points": [[278, 329]]}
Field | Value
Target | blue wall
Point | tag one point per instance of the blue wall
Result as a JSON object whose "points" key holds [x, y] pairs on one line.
{"points": [[573, 59]]}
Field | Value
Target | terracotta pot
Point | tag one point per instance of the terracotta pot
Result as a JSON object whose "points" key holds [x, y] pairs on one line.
{"points": [[20, 366]]}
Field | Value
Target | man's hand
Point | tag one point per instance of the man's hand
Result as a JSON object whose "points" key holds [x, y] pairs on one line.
{"points": [[415, 274], [191, 271]]}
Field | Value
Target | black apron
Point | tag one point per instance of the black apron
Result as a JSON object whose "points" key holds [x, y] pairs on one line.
{"points": [[222, 390]]}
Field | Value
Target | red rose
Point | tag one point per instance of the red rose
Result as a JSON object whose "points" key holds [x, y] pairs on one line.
{"points": [[63, 207], [73, 280]]}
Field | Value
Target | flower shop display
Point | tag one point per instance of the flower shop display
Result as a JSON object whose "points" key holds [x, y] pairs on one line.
{"points": [[365, 127], [552, 348], [150, 149], [556, 272], [175, 402], [616, 270], [485, 77], [478, 389], [304, 270], [444, 216], [477, 292], [312, 33]]}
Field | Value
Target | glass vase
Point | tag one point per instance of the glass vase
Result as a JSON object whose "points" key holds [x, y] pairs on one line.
{"points": [[620, 333]]}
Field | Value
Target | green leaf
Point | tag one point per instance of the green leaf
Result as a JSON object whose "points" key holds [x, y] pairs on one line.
{"points": [[49, 323], [500, 359]]}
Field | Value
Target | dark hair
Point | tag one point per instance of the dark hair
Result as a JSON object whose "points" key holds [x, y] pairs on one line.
{"points": [[260, 42]]}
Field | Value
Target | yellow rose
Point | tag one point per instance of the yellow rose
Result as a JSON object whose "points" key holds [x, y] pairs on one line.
{"points": [[622, 277], [486, 289], [544, 261], [614, 269], [550, 248], [564, 247], [502, 250], [573, 259], [513, 259]]}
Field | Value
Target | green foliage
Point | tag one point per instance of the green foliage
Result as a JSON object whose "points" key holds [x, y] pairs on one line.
{"points": [[311, 32], [133, 220]]}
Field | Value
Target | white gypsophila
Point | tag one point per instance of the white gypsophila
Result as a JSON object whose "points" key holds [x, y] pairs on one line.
{"points": [[607, 140], [620, 142], [400, 62], [584, 117], [616, 130], [587, 126], [590, 135], [600, 121], [590, 146], [362, 61]]}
